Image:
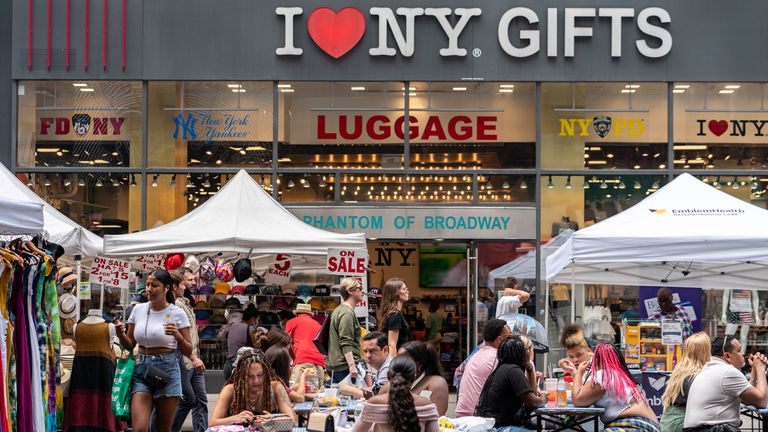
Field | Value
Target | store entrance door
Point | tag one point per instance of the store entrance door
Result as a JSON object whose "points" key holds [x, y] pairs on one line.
{"points": [[442, 279]]}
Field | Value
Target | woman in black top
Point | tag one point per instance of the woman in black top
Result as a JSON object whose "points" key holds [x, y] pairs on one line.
{"points": [[391, 319], [507, 392]]}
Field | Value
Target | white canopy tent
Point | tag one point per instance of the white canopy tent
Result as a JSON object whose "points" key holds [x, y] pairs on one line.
{"points": [[58, 228], [20, 217], [240, 218], [686, 234], [524, 267]]}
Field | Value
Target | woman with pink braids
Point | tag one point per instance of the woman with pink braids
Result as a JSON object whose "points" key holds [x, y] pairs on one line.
{"points": [[607, 383]]}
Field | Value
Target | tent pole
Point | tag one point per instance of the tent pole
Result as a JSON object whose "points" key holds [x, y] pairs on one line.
{"points": [[573, 293], [546, 318], [78, 260]]}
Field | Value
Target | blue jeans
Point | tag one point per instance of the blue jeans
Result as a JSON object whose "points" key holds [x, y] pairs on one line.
{"points": [[168, 363], [338, 376], [197, 403]]}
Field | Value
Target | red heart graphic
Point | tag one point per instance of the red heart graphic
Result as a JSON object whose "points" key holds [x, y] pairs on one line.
{"points": [[718, 127], [336, 33]]}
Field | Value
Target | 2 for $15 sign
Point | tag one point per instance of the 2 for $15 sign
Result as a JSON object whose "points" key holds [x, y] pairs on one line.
{"points": [[108, 271]]}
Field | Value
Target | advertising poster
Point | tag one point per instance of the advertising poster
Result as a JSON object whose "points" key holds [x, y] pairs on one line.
{"points": [[687, 298]]}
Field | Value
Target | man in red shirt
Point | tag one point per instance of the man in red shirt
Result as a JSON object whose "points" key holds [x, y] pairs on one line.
{"points": [[303, 330]]}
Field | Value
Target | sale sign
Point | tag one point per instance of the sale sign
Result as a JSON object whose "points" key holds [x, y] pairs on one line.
{"points": [[112, 272], [279, 272], [148, 263], [347, 262], [361, 309]]}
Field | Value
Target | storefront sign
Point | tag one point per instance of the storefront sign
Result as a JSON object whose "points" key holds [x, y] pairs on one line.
{"points": [[80, 125], [347, 262], [147, 263], [424, 222], [336, 33], [279, 272], [109, 271], [732, 128], [422, 128], [602, 126], [215, 126]]}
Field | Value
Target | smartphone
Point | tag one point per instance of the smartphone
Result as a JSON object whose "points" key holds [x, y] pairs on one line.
{"points": [[367, 394]]}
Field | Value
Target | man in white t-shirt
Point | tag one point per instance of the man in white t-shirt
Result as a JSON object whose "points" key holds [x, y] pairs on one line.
{"points": [[720, 388], [513, 298]]}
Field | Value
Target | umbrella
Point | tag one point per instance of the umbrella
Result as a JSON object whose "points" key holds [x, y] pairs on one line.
{"points": [[528, 326]]}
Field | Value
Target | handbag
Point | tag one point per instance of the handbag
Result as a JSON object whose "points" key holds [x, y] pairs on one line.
{"points": [[320, 422], [274, 423], [155, 377], [121, 386], [322, 336]]}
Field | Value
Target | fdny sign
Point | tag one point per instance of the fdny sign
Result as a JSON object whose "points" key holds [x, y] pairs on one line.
{"points": [[82, 126]]}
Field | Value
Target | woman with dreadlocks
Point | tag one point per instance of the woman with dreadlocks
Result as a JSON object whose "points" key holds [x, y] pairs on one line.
{"points": [[398, 410], [250, 391], [607, 383], [507, 394]]}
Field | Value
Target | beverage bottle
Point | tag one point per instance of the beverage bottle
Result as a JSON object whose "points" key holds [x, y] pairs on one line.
{"points": [[168, 320], [358, 409], [561, 394]]}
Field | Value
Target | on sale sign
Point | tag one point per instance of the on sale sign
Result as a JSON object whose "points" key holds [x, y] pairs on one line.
{"points": [[361, 309], [279, 272], [347, 262], [112, 272]]}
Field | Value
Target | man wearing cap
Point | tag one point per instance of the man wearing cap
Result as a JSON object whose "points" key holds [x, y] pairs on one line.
{"points": [[197, 402], [344, 334], [302, 330]]}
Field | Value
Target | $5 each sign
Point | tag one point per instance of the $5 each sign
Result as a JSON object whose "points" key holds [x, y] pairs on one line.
{"points": [[112, 272]]}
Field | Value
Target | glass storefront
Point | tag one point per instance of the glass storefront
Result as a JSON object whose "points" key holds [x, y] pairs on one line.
{"points": [[91, 151]]}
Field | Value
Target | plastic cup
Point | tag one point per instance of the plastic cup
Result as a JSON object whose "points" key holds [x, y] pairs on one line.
{"points": [[550, 385], [331, 392]]}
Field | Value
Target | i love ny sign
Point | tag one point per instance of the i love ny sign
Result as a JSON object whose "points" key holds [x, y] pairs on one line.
{"points": [[337, 32]]}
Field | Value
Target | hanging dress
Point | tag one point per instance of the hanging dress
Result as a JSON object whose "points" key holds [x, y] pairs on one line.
{"points": [[89, 407], [22, 415]]}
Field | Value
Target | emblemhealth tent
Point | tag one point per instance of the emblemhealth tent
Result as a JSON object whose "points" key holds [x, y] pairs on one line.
{"points": [[686, 234], [240, 218], [58, 228]]}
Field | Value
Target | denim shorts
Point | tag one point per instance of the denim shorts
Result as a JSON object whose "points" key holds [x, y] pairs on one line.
{"points": [[168, 363]]}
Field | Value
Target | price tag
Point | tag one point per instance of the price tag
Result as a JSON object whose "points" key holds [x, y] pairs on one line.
{"points": [[671, 332], [279, 272], [147, 263], [112, 272]]}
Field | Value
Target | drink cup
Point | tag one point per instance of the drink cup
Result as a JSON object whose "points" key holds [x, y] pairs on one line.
{"points": [[550, 385]]}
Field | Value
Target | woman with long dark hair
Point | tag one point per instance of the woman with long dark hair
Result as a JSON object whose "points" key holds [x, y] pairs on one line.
{"points": [[281, 363], [161, 330], [390, 318], [507, 393], [399, 409], [429, 377], [607, 383], [250, 391]]}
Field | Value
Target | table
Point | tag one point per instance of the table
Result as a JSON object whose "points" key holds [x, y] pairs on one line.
{"points": [[579, 416], [303, 409], [753, 413]]}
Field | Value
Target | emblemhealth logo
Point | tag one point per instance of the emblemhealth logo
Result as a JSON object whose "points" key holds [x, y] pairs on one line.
{"points": [[601, 125], [700, 211]]}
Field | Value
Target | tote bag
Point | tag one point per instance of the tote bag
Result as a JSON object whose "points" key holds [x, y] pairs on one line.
{"points": [[121, 386]]}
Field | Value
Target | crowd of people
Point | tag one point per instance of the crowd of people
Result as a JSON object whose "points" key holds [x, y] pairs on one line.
{"points": [[267, 371]]}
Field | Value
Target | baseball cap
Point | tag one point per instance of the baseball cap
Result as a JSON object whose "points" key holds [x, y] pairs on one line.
{"points": [[221, 288], [242, 269], [174, 261]]}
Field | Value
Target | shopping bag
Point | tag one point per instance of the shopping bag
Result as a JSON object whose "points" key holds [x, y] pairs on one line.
{"points": [[121, 386]]}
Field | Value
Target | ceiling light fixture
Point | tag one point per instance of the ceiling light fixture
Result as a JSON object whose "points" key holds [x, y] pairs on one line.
{"points": [[115, 182], [173, 180], [99, 183], [550, 185], [133, 180], [154, 180], [568, 184], [46, 182], [81, 183]]}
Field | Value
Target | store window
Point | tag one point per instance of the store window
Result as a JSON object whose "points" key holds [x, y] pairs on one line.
{"points": [[747, 188], [604, 126], [504, 189], [720, 126], [308, 188], [473, 125], [79, 124], [342, 124], [102, 203], [573, 202], [210, 124]]}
